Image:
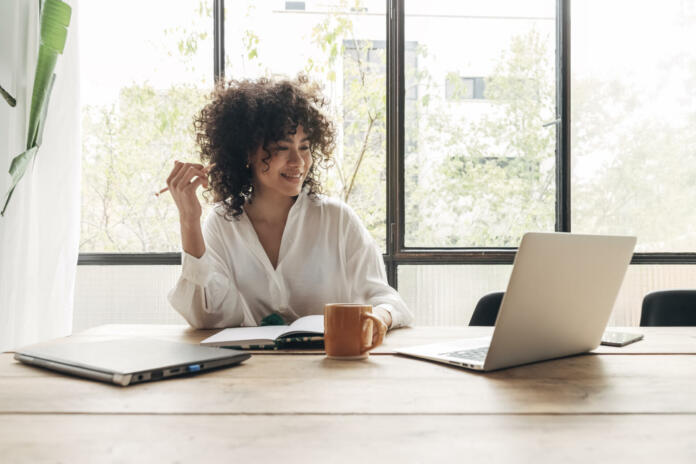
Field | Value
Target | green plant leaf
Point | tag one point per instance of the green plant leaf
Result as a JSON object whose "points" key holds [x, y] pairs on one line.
{"points": [[55, 19], [44, 110], [8, 98], [17, 169]]}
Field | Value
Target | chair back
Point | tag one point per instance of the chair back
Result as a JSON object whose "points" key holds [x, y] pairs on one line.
{"points": [[669, 308], [486, 310]]}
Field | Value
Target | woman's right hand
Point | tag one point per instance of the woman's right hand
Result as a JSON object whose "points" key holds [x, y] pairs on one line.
{"points": [[183, 189]]}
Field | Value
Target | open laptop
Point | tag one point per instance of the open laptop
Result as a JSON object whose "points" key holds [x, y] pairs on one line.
{"points": [[558, 301], [128, 361]]}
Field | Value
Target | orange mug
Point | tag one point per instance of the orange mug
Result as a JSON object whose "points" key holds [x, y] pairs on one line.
{"points": [[348, 330]]}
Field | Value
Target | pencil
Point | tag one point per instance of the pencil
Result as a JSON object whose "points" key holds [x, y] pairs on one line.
{"points": [[167, 188]]}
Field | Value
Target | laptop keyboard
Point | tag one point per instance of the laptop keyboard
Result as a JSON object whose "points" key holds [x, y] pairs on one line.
{"points": [[476, 354]]}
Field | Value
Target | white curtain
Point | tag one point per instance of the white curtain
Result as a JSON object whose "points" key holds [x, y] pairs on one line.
{"points": [[39, 234]]}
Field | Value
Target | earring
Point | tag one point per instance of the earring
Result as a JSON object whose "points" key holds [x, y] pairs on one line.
{"points": [[247, 166]]}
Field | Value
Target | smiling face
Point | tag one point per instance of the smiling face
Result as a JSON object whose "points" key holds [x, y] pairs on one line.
{"points": [[284, 172]]}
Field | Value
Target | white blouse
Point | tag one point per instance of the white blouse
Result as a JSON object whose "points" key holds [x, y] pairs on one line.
{"points": [[326, 256]]}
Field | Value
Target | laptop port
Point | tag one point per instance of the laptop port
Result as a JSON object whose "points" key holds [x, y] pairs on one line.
{"points": [[174, 371], [156, 375]]}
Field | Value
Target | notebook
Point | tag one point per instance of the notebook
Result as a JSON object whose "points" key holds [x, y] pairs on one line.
{"points": [[307, 329]]}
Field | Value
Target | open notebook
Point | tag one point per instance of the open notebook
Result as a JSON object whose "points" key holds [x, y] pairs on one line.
{"points": [[304, 330]]}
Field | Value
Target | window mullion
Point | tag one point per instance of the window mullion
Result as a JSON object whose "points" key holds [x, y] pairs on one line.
{"points": [[219, 40], [563, 115], [395, 138]]}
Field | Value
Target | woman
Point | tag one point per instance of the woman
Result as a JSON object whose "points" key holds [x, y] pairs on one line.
{"points": [[272, 244]]}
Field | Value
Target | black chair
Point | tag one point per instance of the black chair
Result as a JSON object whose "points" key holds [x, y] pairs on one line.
{"points": [[486, 310], [669, 308]]}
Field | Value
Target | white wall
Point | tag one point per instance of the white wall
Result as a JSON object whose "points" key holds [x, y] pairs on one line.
{"points": [[124, 295], [439, 295]]}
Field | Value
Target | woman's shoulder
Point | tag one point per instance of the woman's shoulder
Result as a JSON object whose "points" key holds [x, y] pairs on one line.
{"points": [[219, 217], [332, 206], [331, 212]]}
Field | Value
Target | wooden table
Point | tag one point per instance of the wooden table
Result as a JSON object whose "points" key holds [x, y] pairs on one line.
{"points": [[632, 404]]}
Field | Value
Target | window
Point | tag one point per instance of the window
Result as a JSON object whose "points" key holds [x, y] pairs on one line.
{"points": [[633, 118], [140, 91], [480, 175], [452, 128], [344, 49]]}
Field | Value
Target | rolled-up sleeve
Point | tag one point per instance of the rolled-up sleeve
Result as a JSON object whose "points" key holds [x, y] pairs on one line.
{"points": [[205, 294], [365, 268]]}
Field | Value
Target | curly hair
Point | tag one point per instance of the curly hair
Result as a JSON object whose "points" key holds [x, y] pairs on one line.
{"points": [[245, 114]]}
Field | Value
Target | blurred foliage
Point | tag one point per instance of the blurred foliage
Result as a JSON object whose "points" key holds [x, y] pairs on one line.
{"points": [[128, 152]]}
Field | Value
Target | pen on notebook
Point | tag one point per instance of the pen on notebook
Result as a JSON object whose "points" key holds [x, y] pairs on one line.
{"points": [[206, 170]]}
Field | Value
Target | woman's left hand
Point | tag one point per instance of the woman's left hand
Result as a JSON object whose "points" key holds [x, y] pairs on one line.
{"points": [[380, 330]]}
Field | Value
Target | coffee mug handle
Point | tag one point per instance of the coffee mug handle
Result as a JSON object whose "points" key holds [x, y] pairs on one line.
{"points": [[375, 322]]}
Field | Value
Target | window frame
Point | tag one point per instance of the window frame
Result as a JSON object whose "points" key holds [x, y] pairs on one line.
{"points": [[397, 253]]}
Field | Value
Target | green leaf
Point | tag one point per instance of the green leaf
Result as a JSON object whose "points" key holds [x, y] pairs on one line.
{"points": [[19, 164], [8, 98], [44, 110], [17, 169], [55, 18]]}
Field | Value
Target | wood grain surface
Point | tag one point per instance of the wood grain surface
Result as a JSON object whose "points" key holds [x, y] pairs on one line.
{"points": [[613, 405], [567, 439]]}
